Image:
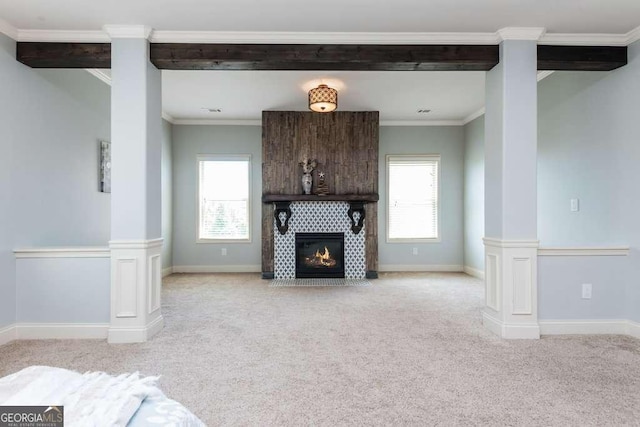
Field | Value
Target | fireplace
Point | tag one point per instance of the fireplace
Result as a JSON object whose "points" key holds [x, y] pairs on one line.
{"points": [[319, 255]]}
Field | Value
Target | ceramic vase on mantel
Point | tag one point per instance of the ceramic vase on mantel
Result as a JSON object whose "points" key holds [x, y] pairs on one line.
{"points": [[307, 182]]}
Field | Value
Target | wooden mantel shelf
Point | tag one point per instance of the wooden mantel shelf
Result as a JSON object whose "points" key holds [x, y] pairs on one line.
{"points": [[274, 198]]}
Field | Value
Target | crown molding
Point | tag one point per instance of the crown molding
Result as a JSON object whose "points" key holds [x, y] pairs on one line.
{"points": [[8, 29], [544, 74], [128, 31], [521, 33], [99, 74], [216, 122], [633, 36], [168, 117], [471, 117], [55, 36], [585, 39], [274, 37], [421, 123]]}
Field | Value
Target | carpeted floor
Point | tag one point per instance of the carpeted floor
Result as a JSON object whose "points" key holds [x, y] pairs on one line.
{"points": [[408, 350]]}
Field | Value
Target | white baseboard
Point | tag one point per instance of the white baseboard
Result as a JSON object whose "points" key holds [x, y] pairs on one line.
{"points": [[123, 335], [46, 331], [167, 271], [510, 331], [590, 327], [7, 334], [419, 268], [633, 329], [248, 268], [474, 272]]}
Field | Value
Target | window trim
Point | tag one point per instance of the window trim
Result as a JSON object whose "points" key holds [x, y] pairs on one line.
{"points": [[223, 157], [438, 159]]}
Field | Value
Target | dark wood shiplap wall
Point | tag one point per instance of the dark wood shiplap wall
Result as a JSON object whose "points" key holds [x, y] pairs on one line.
{"points": [[344, 143]]}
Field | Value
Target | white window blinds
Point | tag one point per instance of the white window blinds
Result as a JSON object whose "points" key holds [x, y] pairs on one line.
{"points": [[412, 197], [223, 197]]}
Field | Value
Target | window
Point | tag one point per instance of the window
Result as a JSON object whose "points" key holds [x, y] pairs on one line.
{"points": [[412, 204], [223, 198]]}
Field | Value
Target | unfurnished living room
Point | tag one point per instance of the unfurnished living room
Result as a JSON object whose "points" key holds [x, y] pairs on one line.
{"points": [[344, 213]]}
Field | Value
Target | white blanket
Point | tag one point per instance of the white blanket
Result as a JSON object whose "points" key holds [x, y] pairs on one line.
{"points": [[90, 399]]}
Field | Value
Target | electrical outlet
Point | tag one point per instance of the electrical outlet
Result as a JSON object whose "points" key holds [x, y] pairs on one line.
{"points": [[575, 205], [223, 251], [415, 251], [586, 290]]}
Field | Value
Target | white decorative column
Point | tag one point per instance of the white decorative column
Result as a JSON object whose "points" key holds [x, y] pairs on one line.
{"points": [[136, 149], [511, 240]]}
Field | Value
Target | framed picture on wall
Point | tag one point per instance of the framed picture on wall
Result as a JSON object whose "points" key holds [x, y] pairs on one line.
{"points": [[105, 166]]}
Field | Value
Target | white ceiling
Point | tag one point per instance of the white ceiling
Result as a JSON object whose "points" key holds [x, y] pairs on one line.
{"points": [[558, 16], [451, 96], [242, 95]]}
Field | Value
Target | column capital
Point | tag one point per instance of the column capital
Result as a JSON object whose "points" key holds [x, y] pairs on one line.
{"points": [[128, 31], [521, 33]]}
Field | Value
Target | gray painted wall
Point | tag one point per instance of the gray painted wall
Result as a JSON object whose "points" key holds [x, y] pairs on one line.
{"points": [[448, 141], [167, 194], [588, 149], [10, 92], [474, 194], [63, 290], [56, 159], [188, 142], [51, 122]]}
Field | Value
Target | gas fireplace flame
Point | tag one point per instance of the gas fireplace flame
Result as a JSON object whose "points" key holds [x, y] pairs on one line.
{"points": [[321, 259]]}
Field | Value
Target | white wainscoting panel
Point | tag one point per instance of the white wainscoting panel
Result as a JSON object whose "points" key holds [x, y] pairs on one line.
{"points": [[523, 275], [135, 289], [126, 290], [491, 279], [155, 282]]}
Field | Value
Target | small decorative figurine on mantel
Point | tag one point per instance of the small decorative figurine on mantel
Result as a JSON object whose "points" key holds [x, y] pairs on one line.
{"points": [[308, 166], [322, 189]]}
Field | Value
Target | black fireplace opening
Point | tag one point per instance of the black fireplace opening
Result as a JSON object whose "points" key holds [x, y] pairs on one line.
{"points": [[319, 255]]}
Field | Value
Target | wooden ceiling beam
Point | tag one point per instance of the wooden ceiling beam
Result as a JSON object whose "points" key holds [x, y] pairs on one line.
{"points": [[193, 56], [64, 55], [581, 58], [172, 56]]}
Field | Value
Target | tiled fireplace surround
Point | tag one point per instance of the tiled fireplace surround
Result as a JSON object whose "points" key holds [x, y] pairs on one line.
{"points": [[319, 217]]}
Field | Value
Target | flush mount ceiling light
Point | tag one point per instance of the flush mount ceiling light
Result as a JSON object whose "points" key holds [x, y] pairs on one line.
{"points": [[323, 99]]}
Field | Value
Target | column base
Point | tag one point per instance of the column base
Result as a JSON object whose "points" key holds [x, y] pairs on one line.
{"points": [[510, 331], [132, 335], [136, 282], [511, 288]]}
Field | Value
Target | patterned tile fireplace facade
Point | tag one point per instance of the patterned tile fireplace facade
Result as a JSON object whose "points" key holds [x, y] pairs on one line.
{"points": [[319, 217]]}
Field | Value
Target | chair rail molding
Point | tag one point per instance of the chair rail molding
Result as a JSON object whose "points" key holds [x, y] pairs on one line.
{"points": [[63, 252], [584, 251]]}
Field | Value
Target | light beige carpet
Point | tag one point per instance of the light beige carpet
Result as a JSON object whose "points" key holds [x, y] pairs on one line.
{"points": [[408, 350]]}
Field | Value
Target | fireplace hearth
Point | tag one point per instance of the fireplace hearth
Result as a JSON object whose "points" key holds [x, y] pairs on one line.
{"points": [[319, 255]]}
